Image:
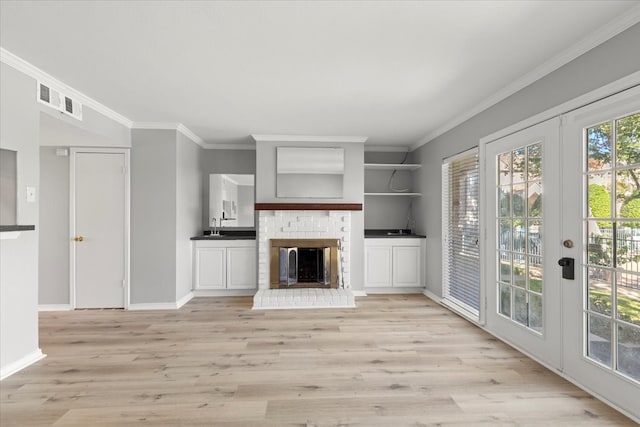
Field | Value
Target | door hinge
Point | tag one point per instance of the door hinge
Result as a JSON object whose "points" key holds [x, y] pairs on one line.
{"points": [[124, 283]]}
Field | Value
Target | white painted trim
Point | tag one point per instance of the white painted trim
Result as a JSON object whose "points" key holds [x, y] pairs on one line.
{"points": [[359, 293], [20, 364], [595, 38], [309, 138], [9, 235], [393, 290], [127, 219], [178, 127], [185, 299], [216, 146], [189, 134], [54, 307], [224, 292], [31, 70], [610, 89], [302, 307]]}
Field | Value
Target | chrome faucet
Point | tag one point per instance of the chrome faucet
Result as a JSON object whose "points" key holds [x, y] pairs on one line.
{"points": [[216, 232]]}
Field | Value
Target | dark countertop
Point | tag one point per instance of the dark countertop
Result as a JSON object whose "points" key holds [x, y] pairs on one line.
{"points": [[223, 237], [17, 227], [391, 234], [237, 233]]}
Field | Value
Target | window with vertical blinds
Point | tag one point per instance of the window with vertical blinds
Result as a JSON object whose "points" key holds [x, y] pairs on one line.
{"points": [[461, 231]]}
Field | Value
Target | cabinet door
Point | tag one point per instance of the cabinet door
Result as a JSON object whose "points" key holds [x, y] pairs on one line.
{"points": [[210, 268], [241, 268], [406, 266], [378, 267]]}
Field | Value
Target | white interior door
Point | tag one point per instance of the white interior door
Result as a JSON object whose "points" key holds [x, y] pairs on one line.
{"points": [[601, 216], [521, 247], [99, 205]]}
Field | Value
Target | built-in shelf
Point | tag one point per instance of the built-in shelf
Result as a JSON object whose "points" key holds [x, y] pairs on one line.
{"points": [[394, 194], [392, 166]]}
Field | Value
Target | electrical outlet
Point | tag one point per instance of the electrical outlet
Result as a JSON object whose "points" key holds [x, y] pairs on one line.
{"points": [[31, 194]]}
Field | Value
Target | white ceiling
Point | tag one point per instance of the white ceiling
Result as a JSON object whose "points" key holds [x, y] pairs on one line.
{"points": [[397, 72]]}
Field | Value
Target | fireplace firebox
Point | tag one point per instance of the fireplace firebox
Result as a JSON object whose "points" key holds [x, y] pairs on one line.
{"points": [[304, 263]]}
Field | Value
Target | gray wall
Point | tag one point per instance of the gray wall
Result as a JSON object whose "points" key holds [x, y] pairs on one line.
{"points": [[19, 258], [223, 161], [353, 193], [60, 131], [94, 130], [189, 209], [386, 211], [153, 216], [604, 64], [53, 287]]}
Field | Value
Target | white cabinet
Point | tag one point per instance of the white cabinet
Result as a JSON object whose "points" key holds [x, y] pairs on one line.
{"points": [[241, 268], [378, 266], [406, 266], [210, 268], [224, 265], [394, 263]]}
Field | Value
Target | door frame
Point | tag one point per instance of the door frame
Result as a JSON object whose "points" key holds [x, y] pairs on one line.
{"points": [[72, 218]]}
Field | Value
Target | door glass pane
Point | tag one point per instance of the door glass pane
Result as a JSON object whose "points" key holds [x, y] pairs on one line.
{"points": [[628, 140], [519, 200], [629, 350], [520, 311], [504, 168], [599, 146], [612, 283], [628, 193], [505, 267], [519, 164], [535, 312], [519, 240], [599, 339], [599, 290]]}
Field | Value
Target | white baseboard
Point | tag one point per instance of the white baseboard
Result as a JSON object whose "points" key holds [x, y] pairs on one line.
{"points": [[224, 292], [427, 293], [185, 299], [359, 293], [373, 291], [162, 305], [54, 307], [21, 363]]}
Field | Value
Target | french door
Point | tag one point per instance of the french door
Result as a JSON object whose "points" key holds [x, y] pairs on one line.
{"points": [[562, 246], [522, 229], [601, 216]]}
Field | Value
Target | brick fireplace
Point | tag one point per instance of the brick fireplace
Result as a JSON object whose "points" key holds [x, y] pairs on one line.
{"points": [[325, 236]]}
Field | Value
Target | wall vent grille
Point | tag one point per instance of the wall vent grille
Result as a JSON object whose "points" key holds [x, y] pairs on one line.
{"points": [[59, 101]]}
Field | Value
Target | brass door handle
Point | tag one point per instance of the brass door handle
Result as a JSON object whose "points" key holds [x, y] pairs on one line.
{"points": [[78, 238]]}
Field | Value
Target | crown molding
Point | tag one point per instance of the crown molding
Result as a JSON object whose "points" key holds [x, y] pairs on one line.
{"points": [[596, 38], [310, 138], [178, 127], [32, 71], [216, 146]]}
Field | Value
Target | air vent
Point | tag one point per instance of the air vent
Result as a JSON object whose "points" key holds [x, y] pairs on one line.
{"points": [[55, 99]]}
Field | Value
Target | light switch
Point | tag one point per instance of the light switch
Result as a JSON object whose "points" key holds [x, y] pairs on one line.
{"points": [[31, 194]]}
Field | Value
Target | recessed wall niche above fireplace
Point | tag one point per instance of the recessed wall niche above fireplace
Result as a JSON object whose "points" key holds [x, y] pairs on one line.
{"points": [[304, 263]]}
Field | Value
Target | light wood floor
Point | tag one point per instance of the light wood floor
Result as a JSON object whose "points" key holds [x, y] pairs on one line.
{"points": [[393, 361]]}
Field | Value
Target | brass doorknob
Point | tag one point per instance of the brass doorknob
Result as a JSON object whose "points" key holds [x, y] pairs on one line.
{"points": [[78, 238]]}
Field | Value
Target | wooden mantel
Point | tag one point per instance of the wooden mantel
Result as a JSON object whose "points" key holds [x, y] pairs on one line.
{"points": [[308, 206]]}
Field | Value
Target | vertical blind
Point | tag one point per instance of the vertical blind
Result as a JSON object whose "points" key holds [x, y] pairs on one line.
{"points": [[461, 231]]}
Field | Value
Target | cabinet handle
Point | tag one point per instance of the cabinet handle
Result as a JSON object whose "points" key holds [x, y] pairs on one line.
{"points": [[78, 238]]}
